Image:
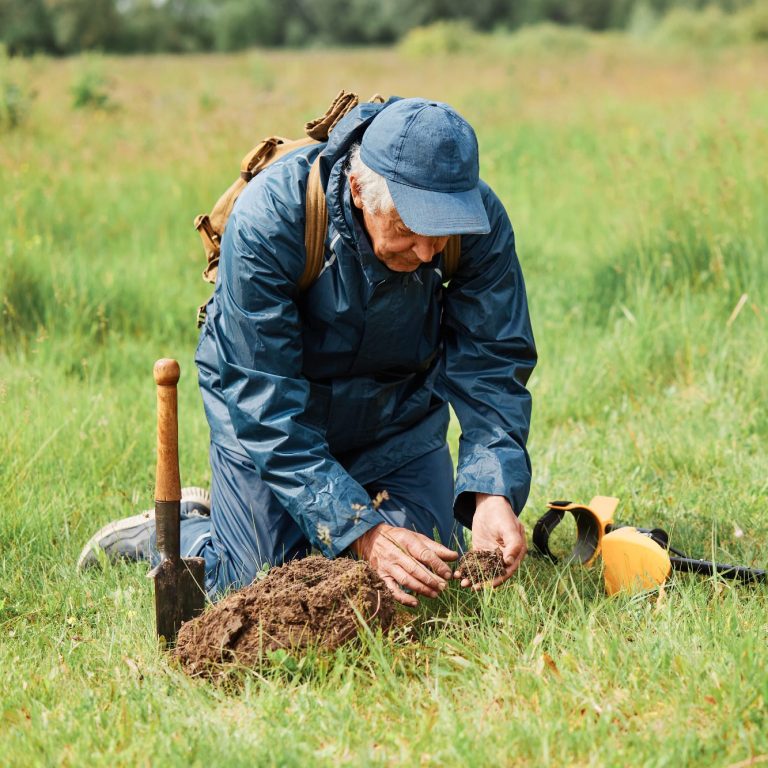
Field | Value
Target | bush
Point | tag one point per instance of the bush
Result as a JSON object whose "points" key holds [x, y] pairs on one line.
{"points": [[15, 97], [549, 38], [440, 39], [710, 28], [753, 22], [642, 21], [90, 88], [14, 105]]}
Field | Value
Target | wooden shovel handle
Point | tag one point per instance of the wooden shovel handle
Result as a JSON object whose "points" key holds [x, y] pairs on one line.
{"points": [[167, 482]]}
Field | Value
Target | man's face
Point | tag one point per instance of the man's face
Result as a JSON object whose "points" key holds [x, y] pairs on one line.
{"points": [[394, 244]]}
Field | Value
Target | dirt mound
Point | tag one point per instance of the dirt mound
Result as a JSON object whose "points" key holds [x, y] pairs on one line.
{"points": [[304, 602], [481, 565]]}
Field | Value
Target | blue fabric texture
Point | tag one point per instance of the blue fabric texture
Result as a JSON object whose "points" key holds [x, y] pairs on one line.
{"points": [[330, 390]]}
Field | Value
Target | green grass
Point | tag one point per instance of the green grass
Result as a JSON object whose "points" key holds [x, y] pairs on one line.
{"points": [[636, 183]]}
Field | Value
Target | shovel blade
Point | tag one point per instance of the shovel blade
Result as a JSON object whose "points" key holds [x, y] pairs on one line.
{"points": [[179, 594]]}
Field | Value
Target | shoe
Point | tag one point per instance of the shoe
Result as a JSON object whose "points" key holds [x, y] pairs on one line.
{"points": [[131, 537], [127, 539], [195, 502]]}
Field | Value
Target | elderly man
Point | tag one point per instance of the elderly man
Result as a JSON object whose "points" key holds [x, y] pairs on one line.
{"points": [[319, 400]]}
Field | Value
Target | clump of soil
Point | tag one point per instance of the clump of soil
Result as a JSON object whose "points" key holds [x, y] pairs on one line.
{"points": [[305, 602], [481, 565]]}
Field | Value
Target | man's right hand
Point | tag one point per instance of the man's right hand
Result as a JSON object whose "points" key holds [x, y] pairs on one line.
{"points": [[408, 559]]}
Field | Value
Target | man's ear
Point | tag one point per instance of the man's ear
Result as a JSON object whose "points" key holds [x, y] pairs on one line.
{"points": [[354, 188]]}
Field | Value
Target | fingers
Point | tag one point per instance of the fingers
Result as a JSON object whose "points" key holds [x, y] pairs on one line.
{"points": [[467, 582], [496, 525], [445, 554], [497, 582], [416, 576], [402, 597], [420, 546], [409, 577], [428, 557], [514, 552], [423, 574], [408, 560], [424, 551]]}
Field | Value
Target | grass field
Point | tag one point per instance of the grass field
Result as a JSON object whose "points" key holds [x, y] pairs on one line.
{"points": [[636, 181]]}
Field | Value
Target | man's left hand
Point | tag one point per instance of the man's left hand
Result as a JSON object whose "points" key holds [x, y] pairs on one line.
{"points": [[495, 525]]}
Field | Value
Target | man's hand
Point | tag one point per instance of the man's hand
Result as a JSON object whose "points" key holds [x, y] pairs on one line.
{"points": [[496, 525], [408, 559]]}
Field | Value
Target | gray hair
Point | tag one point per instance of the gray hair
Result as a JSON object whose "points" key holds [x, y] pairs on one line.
{"points": [[373, 187]]}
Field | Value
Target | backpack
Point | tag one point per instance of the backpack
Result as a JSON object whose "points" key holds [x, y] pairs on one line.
{"points": [[211, 226]]}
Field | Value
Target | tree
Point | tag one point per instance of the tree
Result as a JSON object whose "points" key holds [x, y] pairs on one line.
{"points": [[83, 24], [25, 27], [244, 23]]}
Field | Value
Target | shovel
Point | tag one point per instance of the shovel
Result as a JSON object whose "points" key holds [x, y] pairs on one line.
{"points": [[179, 592]]}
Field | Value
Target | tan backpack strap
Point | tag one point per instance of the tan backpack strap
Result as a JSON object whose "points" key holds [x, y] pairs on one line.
{"points": [[451, 256], [258, 157], [315, 228], [320, 127], [266, 152]]}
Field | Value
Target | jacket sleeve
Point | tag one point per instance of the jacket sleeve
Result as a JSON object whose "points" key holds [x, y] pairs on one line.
{"points": [[257, 323], [488, 356]]}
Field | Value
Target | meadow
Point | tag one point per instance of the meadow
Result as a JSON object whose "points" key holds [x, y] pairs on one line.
{"points": [[636, 180]]}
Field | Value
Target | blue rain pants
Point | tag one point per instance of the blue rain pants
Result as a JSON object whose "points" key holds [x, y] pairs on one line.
{"points": [[249, 529]]}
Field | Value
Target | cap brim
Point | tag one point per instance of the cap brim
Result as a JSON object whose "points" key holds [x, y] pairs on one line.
{"points": [[437, 214]]}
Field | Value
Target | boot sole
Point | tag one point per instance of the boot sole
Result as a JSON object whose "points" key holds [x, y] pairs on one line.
{"points": [[107, 536]]}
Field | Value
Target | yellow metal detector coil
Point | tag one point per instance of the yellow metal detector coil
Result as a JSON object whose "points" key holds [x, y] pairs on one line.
{"points": [[592, 522], [632, 561]]}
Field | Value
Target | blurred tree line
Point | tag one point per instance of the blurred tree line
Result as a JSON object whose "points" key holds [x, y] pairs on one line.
{"points": [[127, 26]]}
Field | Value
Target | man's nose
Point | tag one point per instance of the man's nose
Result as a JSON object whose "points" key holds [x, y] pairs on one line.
{"points": [[425, 248]]}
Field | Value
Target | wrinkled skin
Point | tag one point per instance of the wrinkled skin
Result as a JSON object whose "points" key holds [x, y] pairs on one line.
{"points": [[404, 558], [399, 248]]}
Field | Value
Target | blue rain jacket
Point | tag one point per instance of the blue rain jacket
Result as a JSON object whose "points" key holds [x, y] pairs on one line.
{"points": [[331, 389]]}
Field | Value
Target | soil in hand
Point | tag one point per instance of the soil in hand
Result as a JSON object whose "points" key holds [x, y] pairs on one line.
{"points": [[305, 602], [481, 565]]}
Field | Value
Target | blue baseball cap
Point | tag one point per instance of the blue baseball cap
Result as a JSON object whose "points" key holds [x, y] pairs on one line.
{"points": [[427, 153]]}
